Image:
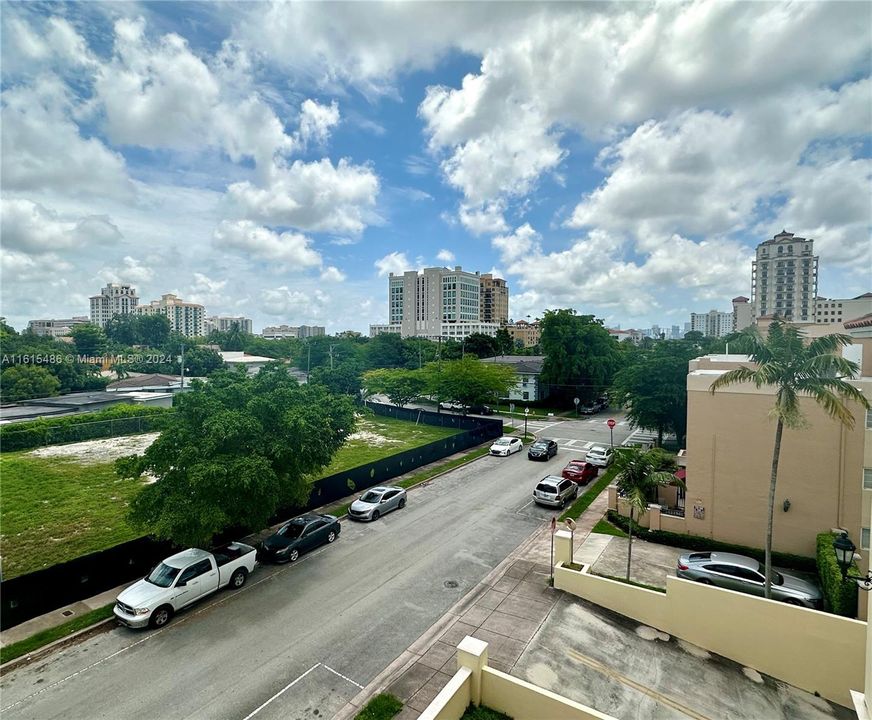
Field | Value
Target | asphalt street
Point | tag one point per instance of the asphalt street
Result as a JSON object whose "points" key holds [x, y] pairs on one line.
{"points": [[300, 640]]}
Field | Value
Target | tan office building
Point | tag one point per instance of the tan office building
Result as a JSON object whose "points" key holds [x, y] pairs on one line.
{"points": [[185, 318], [526, 333], [494, 301]]}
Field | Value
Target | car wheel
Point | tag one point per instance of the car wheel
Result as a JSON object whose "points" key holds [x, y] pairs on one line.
{"points": [[331, 536], [161, 616], [376, 515], [402, 503], [293, 555], [237, 580]]}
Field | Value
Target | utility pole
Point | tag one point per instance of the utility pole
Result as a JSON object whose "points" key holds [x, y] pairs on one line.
{"points": [[308, 360], [331, 356], [182, 363]]}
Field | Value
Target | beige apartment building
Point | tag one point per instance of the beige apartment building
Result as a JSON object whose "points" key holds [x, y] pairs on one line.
{"points": [[185, 318], [494, 300], [527, 333]]}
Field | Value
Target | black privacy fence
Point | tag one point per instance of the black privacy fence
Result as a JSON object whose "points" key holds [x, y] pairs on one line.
{"points": [[28, 596]]}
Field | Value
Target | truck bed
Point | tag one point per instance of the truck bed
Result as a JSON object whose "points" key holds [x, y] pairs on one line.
{"points": [[230, 552]]}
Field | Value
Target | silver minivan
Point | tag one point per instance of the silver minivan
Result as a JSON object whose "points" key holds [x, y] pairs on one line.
{"points": [[554, 491]]}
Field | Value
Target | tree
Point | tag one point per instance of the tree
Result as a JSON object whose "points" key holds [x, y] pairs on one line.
{"points": [[386, 350], [638, 479], [654, 388], [200, 362], [343, 379], [581, 357], [23, 382], [152, 330], [89, 339], [237, 449], [505, 342], [794, 369], [481, 345], [468, 381], [400, 385]]}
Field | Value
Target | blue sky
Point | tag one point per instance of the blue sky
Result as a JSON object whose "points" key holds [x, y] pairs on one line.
{"points": [[278, 160]]}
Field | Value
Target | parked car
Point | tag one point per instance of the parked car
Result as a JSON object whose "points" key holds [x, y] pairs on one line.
{"points": [[580, 472], [600, 456], [377, 501], [588, 409], [303, 533], [747, 575], [506, 446], [554, 491], [602, 402], [181, 580], [456, 407], [480, 410], [542, 449]]}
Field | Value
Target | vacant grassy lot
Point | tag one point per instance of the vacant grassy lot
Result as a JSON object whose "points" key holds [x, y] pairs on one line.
{"points": [[53, 509]]}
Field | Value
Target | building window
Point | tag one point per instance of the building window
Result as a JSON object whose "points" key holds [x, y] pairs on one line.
{"points": [[869, 419], [867, 478], [864, 538]]}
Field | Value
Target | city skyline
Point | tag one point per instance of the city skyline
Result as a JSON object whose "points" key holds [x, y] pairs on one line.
{"points": [[204, 150]]}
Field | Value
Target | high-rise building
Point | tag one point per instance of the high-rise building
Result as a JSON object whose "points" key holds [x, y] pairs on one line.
{"points": [[829, 310], [675, 334], [114, 299], [784, 278], [185, 318], [280, 332], [743, 314], [435, 303], [712, 324], [494, 300], [56, 328], [224, 323]]}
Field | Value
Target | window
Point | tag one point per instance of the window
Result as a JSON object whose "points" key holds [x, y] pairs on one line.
{"points": [[867, 478], [864, 539], [869, 419]]}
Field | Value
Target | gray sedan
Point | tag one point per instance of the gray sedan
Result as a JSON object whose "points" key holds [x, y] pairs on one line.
{"points": [[377, 501], [744, 574]]}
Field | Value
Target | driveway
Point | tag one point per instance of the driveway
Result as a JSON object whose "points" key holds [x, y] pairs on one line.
{"points": [[652, 563]]}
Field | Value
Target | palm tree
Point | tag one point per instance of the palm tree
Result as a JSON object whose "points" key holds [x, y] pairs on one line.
{"points": [[795, 369], [638, 479]]}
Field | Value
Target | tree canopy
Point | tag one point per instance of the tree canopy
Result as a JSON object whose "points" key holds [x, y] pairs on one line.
{"points": [[237, 449], [22, 382], [468, 381], [400, 385]]}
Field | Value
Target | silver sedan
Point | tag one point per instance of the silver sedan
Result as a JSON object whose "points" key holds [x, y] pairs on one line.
{"points": [[377, 501]]}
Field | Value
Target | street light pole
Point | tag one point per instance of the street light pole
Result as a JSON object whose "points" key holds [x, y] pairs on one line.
{"points": [[526, 413]]}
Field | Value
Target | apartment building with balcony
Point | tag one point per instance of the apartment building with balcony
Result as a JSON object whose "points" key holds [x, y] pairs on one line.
{"points": [[784, 278], [712, 324], [114, 299], [225, 323], [185, 318], [494, 304], [525, 333]]}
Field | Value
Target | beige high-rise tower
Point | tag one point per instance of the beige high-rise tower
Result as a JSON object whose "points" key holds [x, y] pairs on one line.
{"points": [[494, 306], [784, 278]]}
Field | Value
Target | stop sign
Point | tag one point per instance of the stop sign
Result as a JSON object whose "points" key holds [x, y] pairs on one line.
{"points": [[611, 423]]}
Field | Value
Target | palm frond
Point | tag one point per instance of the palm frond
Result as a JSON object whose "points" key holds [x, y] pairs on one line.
{"points": [[828, 365], [733, 377], [828, 344]]}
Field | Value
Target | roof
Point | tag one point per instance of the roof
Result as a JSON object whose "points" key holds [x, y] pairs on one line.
{"points": [[76, 399], [237, 356], [864, 295], [555, 479], [862, 321], [530, 364], [740, 298], [732, 559], [151, 380]]}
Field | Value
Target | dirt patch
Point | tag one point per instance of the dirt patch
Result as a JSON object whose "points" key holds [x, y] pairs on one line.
{"points": [[98, 451], [371, 438]]}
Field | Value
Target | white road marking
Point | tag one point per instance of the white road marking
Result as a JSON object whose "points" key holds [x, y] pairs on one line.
{"points": [[327, 667], [569, 443], [282, 691], [588, 445]]}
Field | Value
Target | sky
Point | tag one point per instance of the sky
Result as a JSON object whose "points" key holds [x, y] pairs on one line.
{"points": [[278, 160]]}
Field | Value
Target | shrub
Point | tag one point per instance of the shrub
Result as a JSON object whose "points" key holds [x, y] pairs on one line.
{"points": [[382, 707], [695, 542], [111, 422], [840, 596]]}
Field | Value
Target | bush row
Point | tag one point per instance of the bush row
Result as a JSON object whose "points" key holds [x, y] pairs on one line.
{"points": [[840, 596], [111, 422], [697, 543]]}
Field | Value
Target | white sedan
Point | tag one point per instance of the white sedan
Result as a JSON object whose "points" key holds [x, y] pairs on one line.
{"points": [[506, 446], [600, 456]]}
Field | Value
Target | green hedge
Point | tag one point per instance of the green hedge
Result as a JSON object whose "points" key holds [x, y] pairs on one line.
{"points": [[111, 422], [697, 543], [840, 596], [588, 496]]}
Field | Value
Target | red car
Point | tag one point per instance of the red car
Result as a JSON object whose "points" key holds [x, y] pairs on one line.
{"points": [[580, 472]]}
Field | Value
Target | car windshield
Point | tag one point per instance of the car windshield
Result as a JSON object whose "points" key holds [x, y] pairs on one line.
{"points": [[292, 530], [371, 497], [163, 575], [777, 578], [597, 451], [540, 445]]}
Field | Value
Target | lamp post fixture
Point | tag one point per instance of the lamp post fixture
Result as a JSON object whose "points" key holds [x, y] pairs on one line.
{"points": [[526, 413], [844, 549]]}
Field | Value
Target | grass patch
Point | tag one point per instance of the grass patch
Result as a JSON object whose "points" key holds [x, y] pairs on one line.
{"points": [[584, 500], [55, 509], [604, 527], [483, 713], [382, 707], [34, 642], [377, 437]]}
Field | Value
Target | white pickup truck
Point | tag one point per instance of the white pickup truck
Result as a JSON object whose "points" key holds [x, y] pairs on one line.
{"points": [[181, 580]]}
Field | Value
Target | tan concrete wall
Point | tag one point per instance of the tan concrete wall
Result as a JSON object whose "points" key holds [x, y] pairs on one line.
{"points": [[673, 524], [814, 651], [729, 454], [522, 701], [452, 700]]}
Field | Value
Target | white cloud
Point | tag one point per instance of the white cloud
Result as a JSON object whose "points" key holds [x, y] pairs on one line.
{"points": [[484, 218], [518, 245], [130, 271], [332, 274], [301, 305], [312, 196], [395, 262], [33, 228], [317, 120], [445, 256], [292, 249]]}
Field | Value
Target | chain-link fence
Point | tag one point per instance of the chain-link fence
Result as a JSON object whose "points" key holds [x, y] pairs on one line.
{"points": [[27, 438]]}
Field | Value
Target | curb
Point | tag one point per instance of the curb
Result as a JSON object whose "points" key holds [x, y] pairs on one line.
{"points": [[71, 639]]}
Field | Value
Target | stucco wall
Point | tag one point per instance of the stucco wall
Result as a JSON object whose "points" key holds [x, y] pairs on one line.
{"points": [[452, 700]]}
